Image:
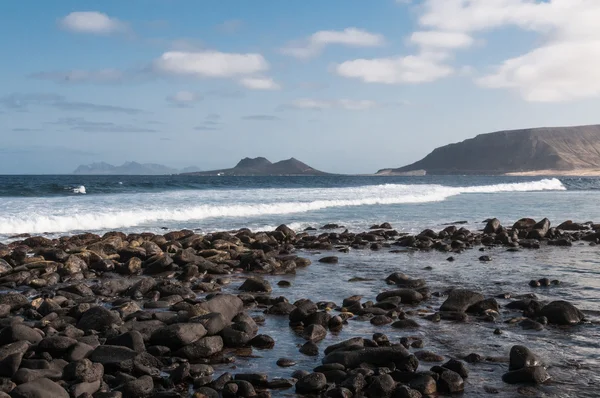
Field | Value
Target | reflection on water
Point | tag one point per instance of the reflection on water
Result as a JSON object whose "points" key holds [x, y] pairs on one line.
{"points": [[572, 354]]}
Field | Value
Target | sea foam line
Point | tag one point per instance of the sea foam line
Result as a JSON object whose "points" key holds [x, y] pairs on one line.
{"points": [[90, 219]]}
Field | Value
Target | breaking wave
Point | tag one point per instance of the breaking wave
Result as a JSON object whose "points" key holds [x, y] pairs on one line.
{"points": [[61, 215]]}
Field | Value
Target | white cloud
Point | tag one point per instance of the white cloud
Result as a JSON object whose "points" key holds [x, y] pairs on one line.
{"points": [[210, 64], [556, 72], [421, 68], [564, 67], [441, 39], [184, 98], [93, 22], [259, 83], [347, 104], [316, 43]]}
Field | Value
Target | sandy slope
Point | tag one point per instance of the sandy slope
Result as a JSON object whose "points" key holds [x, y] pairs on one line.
{"points": [[570, 173]]}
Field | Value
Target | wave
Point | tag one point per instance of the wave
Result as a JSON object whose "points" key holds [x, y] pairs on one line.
{"points": [[145, 209], [80, 189]]}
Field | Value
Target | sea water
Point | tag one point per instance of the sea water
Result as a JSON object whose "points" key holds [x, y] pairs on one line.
{"points": [[61, 205]]}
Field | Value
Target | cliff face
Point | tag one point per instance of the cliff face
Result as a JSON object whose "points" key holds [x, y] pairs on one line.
{"points": [[263, 167], [551, 149]]}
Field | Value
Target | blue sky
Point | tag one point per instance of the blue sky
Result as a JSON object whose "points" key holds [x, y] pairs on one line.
{"points": [[347, 86]]}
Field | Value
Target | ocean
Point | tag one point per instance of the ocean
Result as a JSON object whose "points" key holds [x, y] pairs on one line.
{"points": [[63, 205], [70, 204]]}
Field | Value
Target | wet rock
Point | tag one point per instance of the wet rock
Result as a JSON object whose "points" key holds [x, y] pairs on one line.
{"points": [[408, 296], [561, 313], [521, 357], [531, 374], [83, 371], [311, 384], [24, 375], [262, 341], [450, 382], [407, 392], [381, 386], [202, 348], [381, 320], [99, 319], [16, 301], [314, 333], [310, 349], [178, 335], [142, 387], [530, 324], [401, 280], [256, 284], [214, 323], [281, 308], [493, 226], [225, 304], [424, 384], [459, 300], [339, 392], [428, 356], [406, 324], [205, 392], [40, 388], [133, 340], [329, 260], [285, 362], [85, 389], [374, 356], [458, 367], [19, 332], [109, 355]]}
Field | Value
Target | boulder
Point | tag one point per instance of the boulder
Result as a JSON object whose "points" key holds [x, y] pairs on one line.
{"points": [[459, 300], [178, 335], [522, 357], [40, 388], [311, 384], [202, 348], [531, 374], [561, 313], [256, 284], [227, 305], [377, 356], [99, 319]]}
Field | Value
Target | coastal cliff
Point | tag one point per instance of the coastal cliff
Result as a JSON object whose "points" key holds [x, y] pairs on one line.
{"points": [[537, 151]]}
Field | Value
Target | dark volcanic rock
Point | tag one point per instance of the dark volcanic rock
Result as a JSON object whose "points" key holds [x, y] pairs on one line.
{"points": [[561, 313], [521, 357], [99, 319], [459, 300], [311, 384], [256, 284], [40, 388], [532, 374], [178, 335]]}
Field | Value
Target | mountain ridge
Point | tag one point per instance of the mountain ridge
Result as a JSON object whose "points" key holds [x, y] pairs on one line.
{"points": [[543, 150], [261, 166]]}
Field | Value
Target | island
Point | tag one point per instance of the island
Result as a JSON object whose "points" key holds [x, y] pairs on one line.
{"points": [[566, 151], [261, 166]]}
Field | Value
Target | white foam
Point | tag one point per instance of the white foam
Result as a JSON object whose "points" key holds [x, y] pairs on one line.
{"points": [[130, 210], [80, 189]]}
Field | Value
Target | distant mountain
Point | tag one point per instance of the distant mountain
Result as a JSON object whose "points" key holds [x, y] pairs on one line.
{"points": [[537, 151], [190, 169], [263, 167], [128, 168]]}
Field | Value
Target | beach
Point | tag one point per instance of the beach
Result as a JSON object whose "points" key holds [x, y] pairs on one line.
{"points": [[191, 314]]}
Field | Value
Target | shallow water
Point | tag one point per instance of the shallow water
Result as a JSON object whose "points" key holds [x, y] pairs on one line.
{"points": [[572, 354]]}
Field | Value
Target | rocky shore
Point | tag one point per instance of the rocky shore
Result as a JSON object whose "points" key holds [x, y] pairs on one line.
{"points": [[146, 315]]}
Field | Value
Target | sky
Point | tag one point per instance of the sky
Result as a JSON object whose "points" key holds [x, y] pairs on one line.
{"points": [[347, 86]]}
